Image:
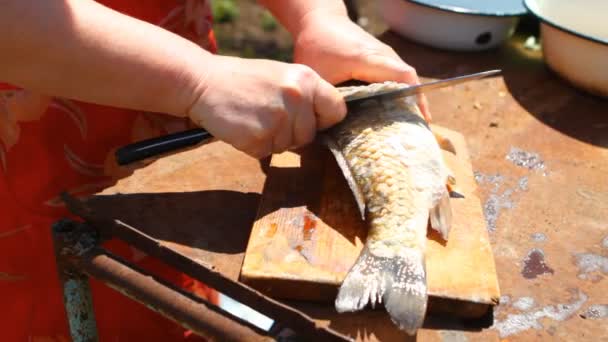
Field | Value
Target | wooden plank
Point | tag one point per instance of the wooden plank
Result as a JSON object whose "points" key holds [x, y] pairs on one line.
{"points": [[308, 234]]}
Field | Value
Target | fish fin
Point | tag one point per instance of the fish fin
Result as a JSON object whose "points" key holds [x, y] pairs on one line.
{"points": [[452, 186], [453, 189], [352, 184], [441, 216], [444, 143], [450, 178], [399, 282]]}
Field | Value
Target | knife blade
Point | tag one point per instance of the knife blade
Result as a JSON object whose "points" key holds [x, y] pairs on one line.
{"points": [[156, 146], [420, 88]]}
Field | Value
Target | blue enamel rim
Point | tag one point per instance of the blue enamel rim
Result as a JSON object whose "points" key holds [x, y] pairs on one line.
{"points": [[462, 10], [562, 28]]}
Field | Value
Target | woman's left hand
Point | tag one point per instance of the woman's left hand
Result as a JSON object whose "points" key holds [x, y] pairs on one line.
{"points": [[339, 50]]}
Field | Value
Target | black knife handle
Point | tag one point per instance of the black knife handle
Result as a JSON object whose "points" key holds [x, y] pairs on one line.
{"points": [[160, 145]]}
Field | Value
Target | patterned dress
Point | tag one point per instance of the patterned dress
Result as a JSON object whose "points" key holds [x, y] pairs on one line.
{"points": [[48, 145]]}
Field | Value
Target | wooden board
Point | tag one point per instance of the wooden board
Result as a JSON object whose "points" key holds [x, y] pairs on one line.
{"points": [[308, 233]]}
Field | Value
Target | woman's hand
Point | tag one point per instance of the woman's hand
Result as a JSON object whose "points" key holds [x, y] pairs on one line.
{"points": [[262, 107], [339, 50]]}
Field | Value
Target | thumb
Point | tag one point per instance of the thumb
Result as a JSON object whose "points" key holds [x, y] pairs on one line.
{"points": [[379, 68], [329, 105]]}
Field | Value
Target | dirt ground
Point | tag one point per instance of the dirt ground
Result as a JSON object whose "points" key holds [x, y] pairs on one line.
{"points": [[245, 36]]}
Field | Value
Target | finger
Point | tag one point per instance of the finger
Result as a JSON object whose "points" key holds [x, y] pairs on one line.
{"points": [[249, 138], [298, 95], [260, 150], [283, 135], [380, 68], [329, 105], [305, 125]]}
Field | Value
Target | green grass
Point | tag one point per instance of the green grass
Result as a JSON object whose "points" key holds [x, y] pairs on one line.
{"points": [[224, 11], [269, 23]]}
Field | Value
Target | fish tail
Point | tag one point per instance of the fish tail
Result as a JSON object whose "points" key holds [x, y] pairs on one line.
{"points": [[398, 281]]}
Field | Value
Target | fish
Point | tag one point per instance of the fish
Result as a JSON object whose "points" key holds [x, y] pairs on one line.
{"points": [[393, 163]]}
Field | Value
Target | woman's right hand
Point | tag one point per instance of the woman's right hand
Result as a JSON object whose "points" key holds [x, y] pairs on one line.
{"points": [[262, 107]]}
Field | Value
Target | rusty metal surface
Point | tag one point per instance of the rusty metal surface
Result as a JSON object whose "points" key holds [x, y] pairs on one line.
{"points": [[200, 202], [540, 149], [194, 210]]}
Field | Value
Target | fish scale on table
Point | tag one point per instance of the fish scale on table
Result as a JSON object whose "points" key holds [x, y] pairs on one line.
{"points": [[393, 163]]}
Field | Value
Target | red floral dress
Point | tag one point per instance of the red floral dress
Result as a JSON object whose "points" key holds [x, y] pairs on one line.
{"points": [[48, 145]]}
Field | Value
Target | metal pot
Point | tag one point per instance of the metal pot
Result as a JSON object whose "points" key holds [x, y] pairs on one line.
{"points": [[462, 25], [574, 38]]}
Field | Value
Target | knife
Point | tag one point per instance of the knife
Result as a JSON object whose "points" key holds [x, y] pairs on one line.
{"points": [[420, 88], [156, 146]]}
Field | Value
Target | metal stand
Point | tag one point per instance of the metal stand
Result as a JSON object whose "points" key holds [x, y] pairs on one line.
{"points": [[69, 242], [79, 256]]}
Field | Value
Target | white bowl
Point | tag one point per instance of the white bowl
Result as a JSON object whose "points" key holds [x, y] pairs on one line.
{"points": [[574, 38], [453, 25]]}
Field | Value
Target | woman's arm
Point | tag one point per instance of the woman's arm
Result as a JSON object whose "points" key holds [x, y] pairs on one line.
{"points": [[82, 50]]}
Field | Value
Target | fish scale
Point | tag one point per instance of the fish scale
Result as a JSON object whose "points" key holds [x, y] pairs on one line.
{"points": [[394, 166]]}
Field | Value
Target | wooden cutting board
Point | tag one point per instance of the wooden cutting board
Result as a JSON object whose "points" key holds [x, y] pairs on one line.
{"points": [[308, 233]]}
